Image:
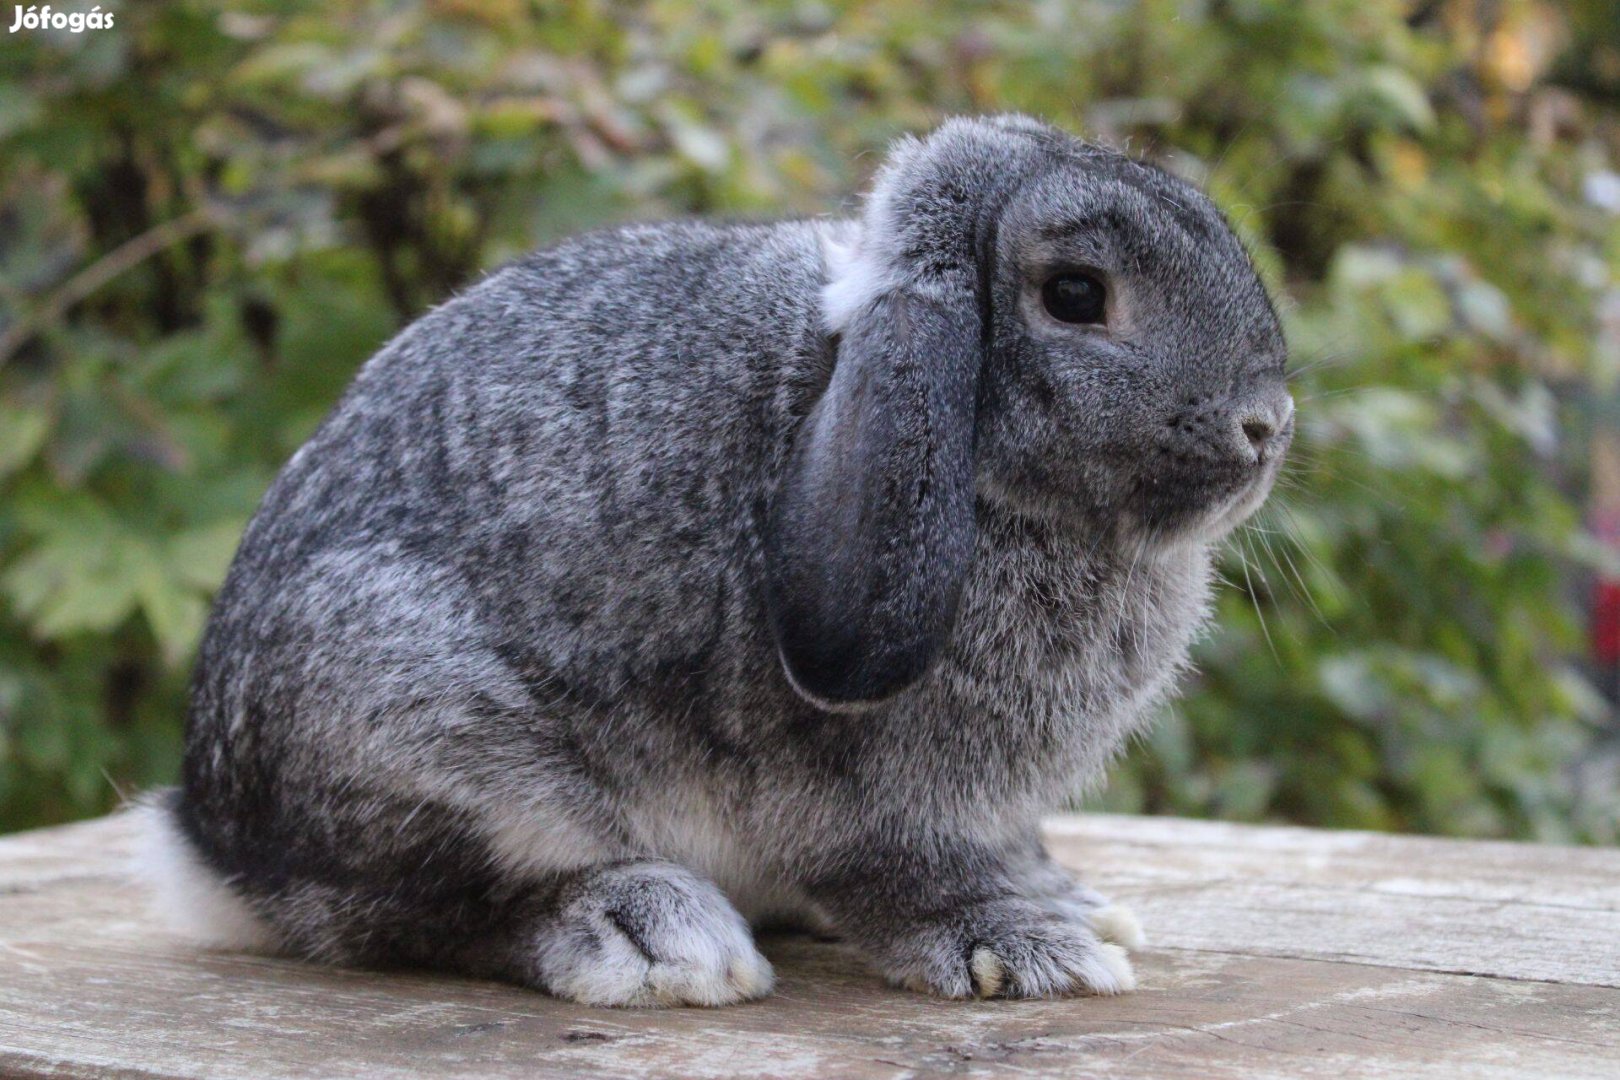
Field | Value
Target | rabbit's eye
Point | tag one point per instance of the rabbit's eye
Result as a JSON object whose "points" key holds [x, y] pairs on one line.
{"points": [[1074, 298]]}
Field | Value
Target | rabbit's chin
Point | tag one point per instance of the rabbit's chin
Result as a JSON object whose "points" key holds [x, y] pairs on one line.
{"points": [[1242, 507], [1211, 524]]}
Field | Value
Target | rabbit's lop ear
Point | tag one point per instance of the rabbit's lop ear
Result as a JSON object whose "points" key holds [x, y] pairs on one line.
{"points": [[872, 528]]}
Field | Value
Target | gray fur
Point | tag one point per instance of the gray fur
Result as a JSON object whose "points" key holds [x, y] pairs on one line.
{"points": [[502, 679]]}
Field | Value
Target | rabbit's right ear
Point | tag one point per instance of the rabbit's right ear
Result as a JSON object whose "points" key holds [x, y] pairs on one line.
{"points": [[872, 529]]}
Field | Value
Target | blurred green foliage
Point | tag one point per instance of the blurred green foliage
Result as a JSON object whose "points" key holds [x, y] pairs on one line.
{"points": [[212, 213]]}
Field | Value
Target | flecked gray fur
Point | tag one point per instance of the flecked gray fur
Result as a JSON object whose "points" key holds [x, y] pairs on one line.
{"points": [[793, 570]]}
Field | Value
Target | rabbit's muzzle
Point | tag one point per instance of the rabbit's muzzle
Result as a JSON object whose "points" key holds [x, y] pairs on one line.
{"points": [[1211, 451], [1237, 435]]}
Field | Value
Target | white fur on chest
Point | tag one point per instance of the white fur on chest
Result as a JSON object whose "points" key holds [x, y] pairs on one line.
{"points": [[684, 824]]}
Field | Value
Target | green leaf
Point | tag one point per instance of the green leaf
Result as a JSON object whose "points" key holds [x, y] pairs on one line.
{"points": [[22, 433], [199, 557], [1401, 95], [174, 612]]}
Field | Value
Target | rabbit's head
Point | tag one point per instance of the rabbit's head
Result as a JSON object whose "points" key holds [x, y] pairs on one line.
{"points": [[1033, 321]]}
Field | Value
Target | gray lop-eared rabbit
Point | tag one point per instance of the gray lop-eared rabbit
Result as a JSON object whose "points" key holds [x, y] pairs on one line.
{"points": [[684, 577]]}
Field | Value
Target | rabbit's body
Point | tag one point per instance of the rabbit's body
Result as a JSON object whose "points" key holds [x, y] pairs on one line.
{"points": [[496, 682]]}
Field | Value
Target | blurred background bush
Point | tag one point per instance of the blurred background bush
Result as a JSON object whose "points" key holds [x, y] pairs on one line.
{"points": [[212, 213]]}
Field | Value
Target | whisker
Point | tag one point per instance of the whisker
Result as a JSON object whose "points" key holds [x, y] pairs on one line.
{"points": [[1328, 576], [1283, 543], [1254, 598]]}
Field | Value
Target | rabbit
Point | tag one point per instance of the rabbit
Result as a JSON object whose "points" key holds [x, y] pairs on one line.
{"points": [[686, 578]]}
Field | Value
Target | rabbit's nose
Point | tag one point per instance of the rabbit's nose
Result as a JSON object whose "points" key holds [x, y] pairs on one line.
{"points": [[1259, 430], [1241, 432], [1256, 424]]}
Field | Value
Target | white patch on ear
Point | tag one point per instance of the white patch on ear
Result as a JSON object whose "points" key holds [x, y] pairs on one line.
{"points": [[854, 276], [862, 257], [191, 899]]}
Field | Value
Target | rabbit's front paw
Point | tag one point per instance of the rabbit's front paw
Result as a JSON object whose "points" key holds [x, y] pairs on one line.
{"points": [[650, 934], [1108, 920], [1008, 948], [1058, 891]]}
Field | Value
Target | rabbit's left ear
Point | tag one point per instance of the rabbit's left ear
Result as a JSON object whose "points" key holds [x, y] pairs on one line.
{"points": [[872, 529]]}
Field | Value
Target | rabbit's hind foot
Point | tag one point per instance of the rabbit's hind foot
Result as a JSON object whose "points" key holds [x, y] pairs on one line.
{"points": [[647, 934]]}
